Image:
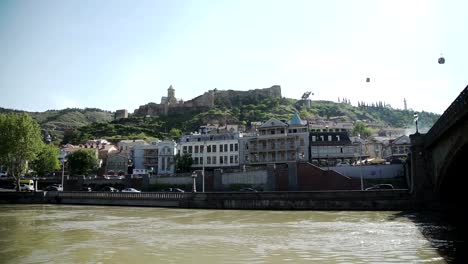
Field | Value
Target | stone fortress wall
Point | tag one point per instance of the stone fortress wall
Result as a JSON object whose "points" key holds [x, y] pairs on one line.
{"points": [[205, 101]]}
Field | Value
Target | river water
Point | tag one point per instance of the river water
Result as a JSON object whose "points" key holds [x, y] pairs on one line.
{"points": [[92, 234]]}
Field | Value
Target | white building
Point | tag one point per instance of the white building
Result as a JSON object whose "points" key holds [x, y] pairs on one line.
{"points": [[129, 145], [166, 156], [157, 157], [222, 150]]}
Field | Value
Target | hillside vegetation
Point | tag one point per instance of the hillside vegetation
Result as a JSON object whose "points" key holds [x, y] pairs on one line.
{"points": [[78, 125], [171, 126], [55, 122]]}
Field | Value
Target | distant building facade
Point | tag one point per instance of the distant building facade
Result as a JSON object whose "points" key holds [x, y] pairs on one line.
{"points": [[276, 142], [117, 164], [211, 150]]}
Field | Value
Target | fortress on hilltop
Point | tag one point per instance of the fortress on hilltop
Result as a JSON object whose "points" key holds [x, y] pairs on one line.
{"points": [[170, 104]]}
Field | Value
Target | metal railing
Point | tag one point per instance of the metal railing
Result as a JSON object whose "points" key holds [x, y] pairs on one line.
{"points": [[120, 195]]}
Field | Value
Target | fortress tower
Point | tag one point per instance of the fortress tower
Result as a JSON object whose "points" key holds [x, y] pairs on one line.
{"points": [[171, 95]]}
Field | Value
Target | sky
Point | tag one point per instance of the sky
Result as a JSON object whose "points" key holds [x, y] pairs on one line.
{"points": [[113, 54]]}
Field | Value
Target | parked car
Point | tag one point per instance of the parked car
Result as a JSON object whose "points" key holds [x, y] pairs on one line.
{"points": [[384, 186], [340, 164], [53, 188], [109, 189], [86, 189], [58, 186], [248, 189], [173, 190], [26, 188], [131, 190]]}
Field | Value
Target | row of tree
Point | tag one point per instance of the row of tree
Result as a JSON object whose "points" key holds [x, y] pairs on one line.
{"points": [[22, 148]]}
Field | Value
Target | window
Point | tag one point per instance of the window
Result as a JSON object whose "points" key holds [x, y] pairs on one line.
{"points": [[196, 149], [231, 159], [208, 148], [220, 147], [236, 159], [202, 148], [231, 147], [195, 161], [201, 160], [190, 149], [208, 160], [214, 148], [214, 160], [282, 131], [236, 147], [185, 150], [221, 160], [225, 147]]}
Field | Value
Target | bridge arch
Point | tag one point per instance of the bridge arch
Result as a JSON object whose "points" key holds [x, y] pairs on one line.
{"points": [[451, 185]]}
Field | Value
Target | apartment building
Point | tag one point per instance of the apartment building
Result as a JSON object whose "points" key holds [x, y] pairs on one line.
{"points": [[329, 148], [157, 157], [166, 156], [211, 149], [276, 141]]}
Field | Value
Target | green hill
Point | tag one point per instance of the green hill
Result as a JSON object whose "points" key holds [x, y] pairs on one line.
{"points": [[170, 126], [55, 122], [73, 125]]}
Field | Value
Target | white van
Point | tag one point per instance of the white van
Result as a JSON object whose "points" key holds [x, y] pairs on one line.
{"points": [[26, 186]]}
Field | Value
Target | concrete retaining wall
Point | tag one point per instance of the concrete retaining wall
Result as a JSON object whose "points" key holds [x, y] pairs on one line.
{"points": [[248, 177], [326, 200], [171, 180], [371, 171]]}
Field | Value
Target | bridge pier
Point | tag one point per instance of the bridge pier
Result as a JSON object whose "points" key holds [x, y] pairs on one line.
{"points": [[420, 183]]}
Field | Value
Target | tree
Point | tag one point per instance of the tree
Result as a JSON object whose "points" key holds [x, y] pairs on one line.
{"points": [[361, 129], [47, 160], [175, 133], [82, 161], [20, 142], [183, 163]]}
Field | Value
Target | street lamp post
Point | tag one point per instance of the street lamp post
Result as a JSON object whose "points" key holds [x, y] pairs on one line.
{"points": [[416, 118], [194, 177], [63, 171], [203, 165], [360, 162]]}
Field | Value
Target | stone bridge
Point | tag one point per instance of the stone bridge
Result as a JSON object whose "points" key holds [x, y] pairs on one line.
{"points": [[438, 168]]}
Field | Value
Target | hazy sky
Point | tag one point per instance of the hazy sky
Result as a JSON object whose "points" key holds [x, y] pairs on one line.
{"points": [[122, 54]]}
